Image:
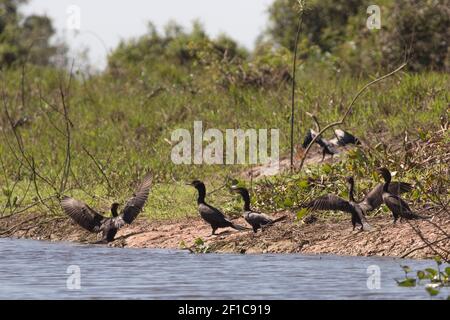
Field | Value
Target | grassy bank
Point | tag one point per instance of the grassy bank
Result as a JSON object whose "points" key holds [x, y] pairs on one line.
{"points": [[120, 127]]}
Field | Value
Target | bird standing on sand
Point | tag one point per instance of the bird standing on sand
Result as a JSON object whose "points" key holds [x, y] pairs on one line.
{"points": [[210, 214], [256, 219], [399, 208], [333, 202], [94, 222]]}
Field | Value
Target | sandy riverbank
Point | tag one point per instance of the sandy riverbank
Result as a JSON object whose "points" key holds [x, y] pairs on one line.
{"points": [[330, 236]]}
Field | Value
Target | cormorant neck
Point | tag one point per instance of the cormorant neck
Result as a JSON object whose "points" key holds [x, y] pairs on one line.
{"points": [[246, 198], [386, 184], [350, 191], [114, 211], [201, 194]]}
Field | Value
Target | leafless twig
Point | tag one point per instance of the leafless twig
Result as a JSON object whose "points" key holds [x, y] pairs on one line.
{"points": [[349, 109]]}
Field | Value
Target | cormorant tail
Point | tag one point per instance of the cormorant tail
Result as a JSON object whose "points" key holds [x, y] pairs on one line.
{"points": [[278, 219], [419, 216], [238, 227]]}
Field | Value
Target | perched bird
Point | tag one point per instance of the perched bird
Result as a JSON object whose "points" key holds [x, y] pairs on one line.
{"points": [[210, 214], [256, 219], [92, 221], [333, 202], [397, 205]]}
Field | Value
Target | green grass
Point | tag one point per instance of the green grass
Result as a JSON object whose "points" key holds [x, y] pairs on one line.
{"points": [[126, 128]]}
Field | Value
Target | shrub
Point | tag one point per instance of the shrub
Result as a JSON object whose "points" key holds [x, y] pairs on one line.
{"points": [[418, 30]]}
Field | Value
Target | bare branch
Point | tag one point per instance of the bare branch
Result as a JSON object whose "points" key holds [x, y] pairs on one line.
{"points": [[98, 165], [349, 109]]}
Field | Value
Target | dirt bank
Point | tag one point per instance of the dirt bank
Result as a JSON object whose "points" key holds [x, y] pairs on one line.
{"points": [[325, 236]]}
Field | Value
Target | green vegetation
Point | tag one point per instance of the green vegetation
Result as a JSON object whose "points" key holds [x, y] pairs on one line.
{"points": [[334, 32], [198, 246], [25, 38], [118, 124]]}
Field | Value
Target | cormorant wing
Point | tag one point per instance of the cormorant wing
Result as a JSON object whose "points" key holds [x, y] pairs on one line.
{"points": [[134, 205], [374, 198], [343, 138], [330, 202], [82, 214], [322, 142], [398, 205], [326, 145], [258, 218]]}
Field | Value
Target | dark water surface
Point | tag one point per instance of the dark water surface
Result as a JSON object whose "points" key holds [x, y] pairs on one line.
{"points": [[39, 270]]}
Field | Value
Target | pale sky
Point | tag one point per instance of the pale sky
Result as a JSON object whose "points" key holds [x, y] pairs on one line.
{"points": [[103, 23]]}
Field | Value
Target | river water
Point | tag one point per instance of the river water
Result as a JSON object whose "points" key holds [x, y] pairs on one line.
{"points": [[43, 270]]}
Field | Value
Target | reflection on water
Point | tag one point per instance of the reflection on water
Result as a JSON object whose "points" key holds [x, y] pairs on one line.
{"points": [[38, 270]]}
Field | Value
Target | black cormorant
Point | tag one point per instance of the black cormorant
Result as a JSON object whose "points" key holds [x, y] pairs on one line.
{"points": [[371, 201], [399, 208], [327, 147], [333, 202], [210, 214], [94, 222], [256, 219]]}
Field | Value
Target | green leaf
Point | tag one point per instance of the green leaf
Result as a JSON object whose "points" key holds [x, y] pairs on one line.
{"points": [[421, 275], [199, 242], [301, 213], [408, 282], [344, 194], [422, 134], [287, 203], [447, 271], [303, 184], [438, 260], [7, 193], [432, 291], [415, 194], [326, 168], [205, 249], [431, 272]]}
